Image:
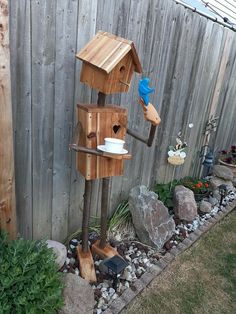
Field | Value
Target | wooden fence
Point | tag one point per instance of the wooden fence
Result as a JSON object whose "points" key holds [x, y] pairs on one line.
{"points": [[190, 60]]}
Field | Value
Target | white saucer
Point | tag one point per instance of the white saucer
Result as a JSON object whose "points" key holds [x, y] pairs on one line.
{"points": [[103, 149]]}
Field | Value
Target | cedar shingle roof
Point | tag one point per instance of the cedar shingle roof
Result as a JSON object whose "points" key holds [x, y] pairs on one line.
{"points": [[106, 50]]}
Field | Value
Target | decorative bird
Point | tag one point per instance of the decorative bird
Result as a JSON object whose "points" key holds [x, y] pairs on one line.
{"points": [[144, 90]]}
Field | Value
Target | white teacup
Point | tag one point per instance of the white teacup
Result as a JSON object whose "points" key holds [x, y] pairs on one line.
{"points": [[114, 145]]}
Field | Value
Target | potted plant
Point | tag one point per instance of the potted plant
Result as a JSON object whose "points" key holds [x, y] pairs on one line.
{"points": [[200, 187], [228, 158]]}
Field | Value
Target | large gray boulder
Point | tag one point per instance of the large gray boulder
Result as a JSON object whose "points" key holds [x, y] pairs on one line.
{"points": [[223, 172], [59, 250], [78, 295], [215, 182], [153, 224], [185, 206]]}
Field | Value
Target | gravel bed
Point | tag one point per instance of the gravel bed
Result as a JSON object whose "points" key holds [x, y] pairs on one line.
{"points": [[140, 257]]}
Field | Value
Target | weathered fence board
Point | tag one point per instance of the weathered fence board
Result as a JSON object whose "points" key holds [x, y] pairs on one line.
{"points": [[20, 45], [191, 63], [7, 173], [86, 25], [43, 86], [66, 33]]}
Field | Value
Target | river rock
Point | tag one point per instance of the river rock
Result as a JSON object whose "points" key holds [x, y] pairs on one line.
{"points": [[185, 206], [205, 207], [223, 172], [214, 201], [234, 181], [153, 224], [215, 182], [60, 251], [78, 295]]}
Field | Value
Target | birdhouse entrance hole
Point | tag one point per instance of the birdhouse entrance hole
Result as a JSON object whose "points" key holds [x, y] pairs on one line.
{"points": [[116, 128], [122, 69]]}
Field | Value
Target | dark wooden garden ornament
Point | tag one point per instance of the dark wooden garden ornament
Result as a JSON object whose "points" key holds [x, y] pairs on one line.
{"points": [[108, 65]]}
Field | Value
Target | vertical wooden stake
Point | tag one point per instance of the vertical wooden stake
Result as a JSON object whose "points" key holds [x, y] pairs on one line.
{"points": [[7, 174], [86, 215], [104, 211], [105, 190]]}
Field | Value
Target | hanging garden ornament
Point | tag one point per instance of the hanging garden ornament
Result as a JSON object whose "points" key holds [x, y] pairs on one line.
{"points": [[175, 158], [177, 153]]}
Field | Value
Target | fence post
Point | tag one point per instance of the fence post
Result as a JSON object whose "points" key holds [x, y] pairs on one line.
{"points": [[7, 173]]}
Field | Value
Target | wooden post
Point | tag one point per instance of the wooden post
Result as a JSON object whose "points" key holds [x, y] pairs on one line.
{"points": [[86, 215], [104, 211], [7, 174], [151, 135], [105, 189], [101, 247], [101, 99]]}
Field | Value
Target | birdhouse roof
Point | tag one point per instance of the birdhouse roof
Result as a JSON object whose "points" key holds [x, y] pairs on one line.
{"points": [[106, 50]]}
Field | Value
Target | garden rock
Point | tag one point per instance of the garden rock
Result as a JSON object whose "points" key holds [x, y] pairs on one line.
{"points": [[214, 201], [205, 207], [185, 206], [234, 182], [78, 295], [60, 251], [215, 182], [153, 224], [223, 172]]}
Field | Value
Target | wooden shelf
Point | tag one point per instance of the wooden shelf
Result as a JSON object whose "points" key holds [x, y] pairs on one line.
{"points": [[116, 156]]}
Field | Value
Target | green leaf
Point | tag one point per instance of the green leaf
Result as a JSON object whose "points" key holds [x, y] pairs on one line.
{"points": [[28, 275]]}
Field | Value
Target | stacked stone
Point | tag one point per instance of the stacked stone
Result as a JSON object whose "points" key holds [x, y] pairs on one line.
{"points": [[222, 175]]}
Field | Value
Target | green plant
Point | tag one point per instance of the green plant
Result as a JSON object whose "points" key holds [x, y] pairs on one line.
{"points": [[165, 192], [121, 216], [29, 280], [198, 186]]}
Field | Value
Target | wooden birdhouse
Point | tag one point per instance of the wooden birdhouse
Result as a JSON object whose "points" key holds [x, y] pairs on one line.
{"points": [[109, 63], [96, 124]]}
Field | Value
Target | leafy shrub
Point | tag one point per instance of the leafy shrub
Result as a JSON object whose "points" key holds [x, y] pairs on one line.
{"points": [[29, 281], [165, 191]]}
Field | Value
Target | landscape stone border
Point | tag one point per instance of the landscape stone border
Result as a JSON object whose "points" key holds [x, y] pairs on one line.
{"points": [[129, 294]]}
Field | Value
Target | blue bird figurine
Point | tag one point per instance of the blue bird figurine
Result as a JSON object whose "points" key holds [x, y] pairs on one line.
{"points": [[144, 90]]}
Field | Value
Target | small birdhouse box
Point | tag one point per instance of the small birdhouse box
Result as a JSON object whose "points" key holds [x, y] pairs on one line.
{"points": [[97, 123], [109, 63]]}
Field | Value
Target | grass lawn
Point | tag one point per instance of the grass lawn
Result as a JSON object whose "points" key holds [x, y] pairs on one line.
{"points": [[201, 280]]}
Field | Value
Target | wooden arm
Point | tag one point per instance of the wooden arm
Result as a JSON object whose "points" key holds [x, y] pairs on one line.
{"points": [[148, 141], [151, 115], [91, 151]]}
